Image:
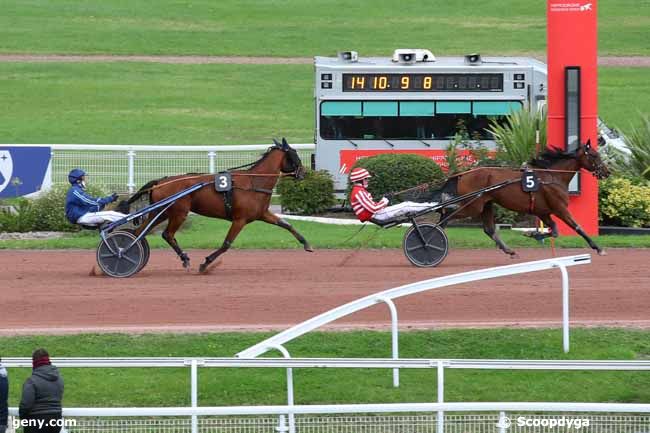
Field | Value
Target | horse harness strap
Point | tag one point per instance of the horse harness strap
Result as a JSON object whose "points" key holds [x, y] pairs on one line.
{"points": [[530, 183]]}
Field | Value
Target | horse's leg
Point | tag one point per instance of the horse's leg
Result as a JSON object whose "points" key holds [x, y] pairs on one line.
{"points": [[489, 227], [175, 221], [565, 215], [546, 219], [271, 218], [235, 228]]}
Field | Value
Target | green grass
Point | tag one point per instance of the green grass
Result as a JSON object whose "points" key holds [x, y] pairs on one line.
{"points": [[300, 28], [209, 233], [130, 103], [169, 387], [134, 103], [622, 96]]}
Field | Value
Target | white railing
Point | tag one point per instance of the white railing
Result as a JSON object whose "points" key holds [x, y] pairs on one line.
{"points": [[127, 167], [387, 297], [357, 408], [291, 410], [601, 417]]}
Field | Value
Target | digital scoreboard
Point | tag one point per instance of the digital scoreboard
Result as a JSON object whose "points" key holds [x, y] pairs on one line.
{"points": [[423, 82]]}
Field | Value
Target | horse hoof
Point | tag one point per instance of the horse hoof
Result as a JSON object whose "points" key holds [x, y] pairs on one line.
{"points": [[602, 253], [309, 249], [513, 255], [186, 264]]}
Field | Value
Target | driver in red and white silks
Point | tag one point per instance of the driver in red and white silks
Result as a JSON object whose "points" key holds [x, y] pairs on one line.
{"points": [[365, 207]]}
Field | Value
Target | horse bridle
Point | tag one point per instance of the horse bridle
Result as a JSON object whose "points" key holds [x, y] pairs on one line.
{"points": [[600, 170]]}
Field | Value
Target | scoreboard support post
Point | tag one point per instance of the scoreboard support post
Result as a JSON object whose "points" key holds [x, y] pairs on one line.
{"points": [[573, 95]]}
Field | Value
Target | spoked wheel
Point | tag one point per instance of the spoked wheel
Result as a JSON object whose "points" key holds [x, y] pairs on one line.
{"points": [[425, 245], [145, 247], [147, 252], [116, 259]]}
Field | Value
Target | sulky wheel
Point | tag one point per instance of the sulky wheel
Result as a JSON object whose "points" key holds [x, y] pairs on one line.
{"points": [[425, 245], [147, 252], [145, 247], [118, 255]]}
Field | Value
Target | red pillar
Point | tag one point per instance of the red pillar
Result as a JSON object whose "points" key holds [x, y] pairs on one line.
{"points": [[572, 41]]}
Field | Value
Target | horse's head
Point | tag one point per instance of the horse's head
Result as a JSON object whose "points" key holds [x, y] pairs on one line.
{"points": [[291, 162], [590, 160]]}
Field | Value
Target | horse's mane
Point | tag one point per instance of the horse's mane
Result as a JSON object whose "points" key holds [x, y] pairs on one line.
{"points": [[264, 155], [550, 157]]}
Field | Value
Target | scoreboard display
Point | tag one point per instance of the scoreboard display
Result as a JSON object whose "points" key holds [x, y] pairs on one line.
{"points": [[423, 82]]}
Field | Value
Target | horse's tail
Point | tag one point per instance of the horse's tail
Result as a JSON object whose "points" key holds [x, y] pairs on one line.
{"points": [[124, 206]]}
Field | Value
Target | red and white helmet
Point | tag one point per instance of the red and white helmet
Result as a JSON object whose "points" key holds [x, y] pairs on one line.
{"points": [[359, 174]]}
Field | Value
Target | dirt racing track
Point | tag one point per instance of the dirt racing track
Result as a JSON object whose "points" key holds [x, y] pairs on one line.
{"points": [[51, 291]]}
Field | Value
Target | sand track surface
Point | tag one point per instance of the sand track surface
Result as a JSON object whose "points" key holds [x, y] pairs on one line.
{"points": [[52, 292]]}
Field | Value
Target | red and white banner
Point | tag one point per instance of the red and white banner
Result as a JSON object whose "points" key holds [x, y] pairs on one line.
{"points": [[349, 157]]}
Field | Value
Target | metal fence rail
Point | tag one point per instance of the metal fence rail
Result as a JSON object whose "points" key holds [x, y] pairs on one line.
{"points": [[468, 423], [593, 419], [386, 418], [125, 168]]}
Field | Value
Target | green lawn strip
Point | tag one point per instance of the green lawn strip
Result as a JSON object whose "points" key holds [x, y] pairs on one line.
{"points": [[245, 386], [621, 100], [298, 28], [142, 103], [206, 233], [137, 103]]}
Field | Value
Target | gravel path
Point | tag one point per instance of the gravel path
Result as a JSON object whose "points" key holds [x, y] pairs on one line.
{"points": [[635, 61]]}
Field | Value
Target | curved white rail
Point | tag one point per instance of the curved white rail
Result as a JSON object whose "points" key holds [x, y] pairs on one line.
{"points": [[409, 289]]}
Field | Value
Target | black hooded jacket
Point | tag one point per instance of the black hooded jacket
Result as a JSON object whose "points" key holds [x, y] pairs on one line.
{"points": [[42, 393], [4, 395]]}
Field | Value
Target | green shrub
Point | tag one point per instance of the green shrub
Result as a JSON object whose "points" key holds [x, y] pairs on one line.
{"points": [[507, 216], [516, 140], [21, 220], [45, 213], [624, 202], [393, 172], [638, 141], [479, 154], [314, 194]]}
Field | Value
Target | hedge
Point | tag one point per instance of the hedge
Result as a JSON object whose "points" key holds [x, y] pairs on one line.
{"points": [[393, 172], [45, 213], [312, 195], [624, 202]]}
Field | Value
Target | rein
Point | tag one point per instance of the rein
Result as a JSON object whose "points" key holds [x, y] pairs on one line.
{"points": [[292, 173], [514, 169], [211, 182], [424, 186]]}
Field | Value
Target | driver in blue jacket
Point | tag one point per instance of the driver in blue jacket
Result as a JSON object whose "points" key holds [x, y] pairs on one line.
{"points": [[82, 208]]}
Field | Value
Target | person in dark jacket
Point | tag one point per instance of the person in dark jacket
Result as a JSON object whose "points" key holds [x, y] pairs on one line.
{"points": [[82, 208], [42, 395], [4, 397]]}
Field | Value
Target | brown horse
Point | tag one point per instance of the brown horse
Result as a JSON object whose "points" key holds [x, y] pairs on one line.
{"points": [[554, 170], [249, 199]]}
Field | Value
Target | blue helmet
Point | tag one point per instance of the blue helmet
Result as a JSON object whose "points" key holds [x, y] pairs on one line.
{"points": [[75, 175]]}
